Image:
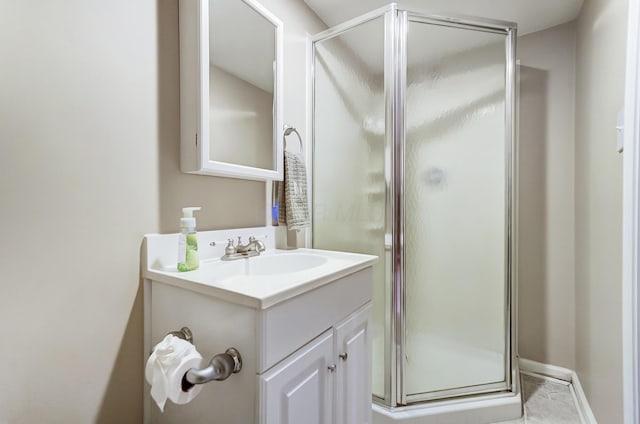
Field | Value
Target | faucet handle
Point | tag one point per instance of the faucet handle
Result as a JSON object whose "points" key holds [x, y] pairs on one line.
{"points": [[230, 249], [239, 240], [259, 245]]}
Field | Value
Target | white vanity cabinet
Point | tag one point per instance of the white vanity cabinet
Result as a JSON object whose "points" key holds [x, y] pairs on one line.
{"points": [[353, 339], [304, 335], [300, 390], [327, 381]]}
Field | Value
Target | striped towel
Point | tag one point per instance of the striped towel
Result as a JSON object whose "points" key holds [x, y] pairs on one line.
{"points": [[293, 208]]}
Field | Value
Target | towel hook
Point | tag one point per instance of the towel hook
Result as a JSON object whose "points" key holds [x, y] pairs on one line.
{"points": [[287, 131]]}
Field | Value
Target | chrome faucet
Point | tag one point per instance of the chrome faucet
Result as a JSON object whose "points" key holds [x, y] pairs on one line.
{"points": [[241, 251], [253, 245]]}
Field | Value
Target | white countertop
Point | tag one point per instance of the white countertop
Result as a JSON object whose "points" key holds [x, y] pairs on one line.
{"points": [[227, 280]]}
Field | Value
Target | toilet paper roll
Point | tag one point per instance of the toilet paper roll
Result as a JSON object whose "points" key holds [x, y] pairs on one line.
{"points": [[167, 365]]}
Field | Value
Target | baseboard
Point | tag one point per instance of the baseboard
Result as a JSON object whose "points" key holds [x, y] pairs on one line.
{"points": [[583, 403], [554, 371], [564, 374]]}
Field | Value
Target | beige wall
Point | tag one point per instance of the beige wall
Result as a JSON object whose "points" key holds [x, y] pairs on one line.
{"points": [[89, 130], [79, 157], [570, 200], [601, 40], [299, 21], [546, 196]]}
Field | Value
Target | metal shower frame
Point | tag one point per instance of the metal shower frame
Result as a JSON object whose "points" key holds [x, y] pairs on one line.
{"points": [[395, 68]]}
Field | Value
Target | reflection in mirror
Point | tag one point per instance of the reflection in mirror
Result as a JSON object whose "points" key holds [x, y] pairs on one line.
{"points": [[242, 52]]}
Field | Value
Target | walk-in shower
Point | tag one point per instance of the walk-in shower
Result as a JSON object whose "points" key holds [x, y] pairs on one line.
{"points": [[414, 161]]}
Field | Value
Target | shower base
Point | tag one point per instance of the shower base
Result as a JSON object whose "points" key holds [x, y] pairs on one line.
{"points": [[475, 366], [483, 409]]}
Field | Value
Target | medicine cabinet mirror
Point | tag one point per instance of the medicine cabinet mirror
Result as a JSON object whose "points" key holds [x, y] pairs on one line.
{"points": [[230, 89]]}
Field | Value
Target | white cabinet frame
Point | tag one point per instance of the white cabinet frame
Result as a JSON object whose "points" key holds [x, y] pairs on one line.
{"points": [[194, 96]]}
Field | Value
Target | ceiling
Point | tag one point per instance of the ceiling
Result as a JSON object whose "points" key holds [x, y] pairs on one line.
{"points": [[530, 15]]}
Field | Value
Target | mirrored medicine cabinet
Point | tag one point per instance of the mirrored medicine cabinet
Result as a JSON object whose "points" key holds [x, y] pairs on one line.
{"points": [[230, 89]]}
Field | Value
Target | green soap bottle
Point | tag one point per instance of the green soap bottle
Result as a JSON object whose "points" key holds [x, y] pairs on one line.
{"points": [[188, 242]]}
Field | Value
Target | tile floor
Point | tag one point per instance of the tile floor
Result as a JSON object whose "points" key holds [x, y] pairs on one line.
{"points": [[547, 401]]}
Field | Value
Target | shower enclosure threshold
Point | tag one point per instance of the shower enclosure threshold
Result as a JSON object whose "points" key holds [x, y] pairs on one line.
{"points": [[481, 409]]}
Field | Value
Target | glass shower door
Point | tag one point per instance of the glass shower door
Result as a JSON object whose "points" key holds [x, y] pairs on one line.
{"points": [[456, 157], [349, 183]]}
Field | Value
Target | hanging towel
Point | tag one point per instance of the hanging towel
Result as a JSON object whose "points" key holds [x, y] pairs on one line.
{"points": [[291, 193]]}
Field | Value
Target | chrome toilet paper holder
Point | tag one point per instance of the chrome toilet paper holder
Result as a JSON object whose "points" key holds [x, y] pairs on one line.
{"points": [[184, 333], [220, 367]]}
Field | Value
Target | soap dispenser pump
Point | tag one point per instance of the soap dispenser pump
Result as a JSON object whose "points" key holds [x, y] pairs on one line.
{"points": [[187, 242]]}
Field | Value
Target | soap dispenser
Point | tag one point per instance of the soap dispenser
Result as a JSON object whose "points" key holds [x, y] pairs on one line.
{"points": [[187, 242]]}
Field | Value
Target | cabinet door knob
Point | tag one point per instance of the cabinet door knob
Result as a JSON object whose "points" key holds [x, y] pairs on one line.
{"points": [[343, 356], [332, 367]]}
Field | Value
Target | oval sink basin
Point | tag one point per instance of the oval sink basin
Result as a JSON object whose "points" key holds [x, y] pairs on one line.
{"points": [[284, 264]]}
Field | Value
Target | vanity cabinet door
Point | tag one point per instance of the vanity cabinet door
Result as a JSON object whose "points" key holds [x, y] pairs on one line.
{"points": [[300, 390], [353, 355]]}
